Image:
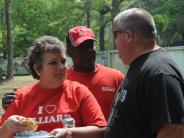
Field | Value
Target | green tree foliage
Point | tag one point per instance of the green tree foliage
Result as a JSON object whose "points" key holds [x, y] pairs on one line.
{"points": [[174, 32], [2, 27], [34, 18], [168, 15]]}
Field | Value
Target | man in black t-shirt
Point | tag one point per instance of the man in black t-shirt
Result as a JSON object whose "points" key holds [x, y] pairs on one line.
{"points": [[150, 102]]}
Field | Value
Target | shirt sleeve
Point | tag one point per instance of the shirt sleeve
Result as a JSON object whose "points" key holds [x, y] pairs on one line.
{"points": [[90, 110], [164, 100]]}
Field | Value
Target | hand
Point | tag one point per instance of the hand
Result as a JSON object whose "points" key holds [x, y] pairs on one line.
{"points": [[59, 133], [14, 124], [7, 99]]}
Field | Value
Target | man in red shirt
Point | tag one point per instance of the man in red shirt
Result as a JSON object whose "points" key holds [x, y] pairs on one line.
{"points": [[101, 81]]}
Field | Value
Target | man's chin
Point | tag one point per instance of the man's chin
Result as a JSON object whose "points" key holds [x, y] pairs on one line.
{"points": [[89, 68]]}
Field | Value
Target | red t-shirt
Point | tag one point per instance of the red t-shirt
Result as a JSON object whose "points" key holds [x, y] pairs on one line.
{"points": [[48, 107], [103, 83]]}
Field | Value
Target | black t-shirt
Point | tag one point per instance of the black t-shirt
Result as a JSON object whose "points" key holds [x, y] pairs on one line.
{"points": [[151, 95]]}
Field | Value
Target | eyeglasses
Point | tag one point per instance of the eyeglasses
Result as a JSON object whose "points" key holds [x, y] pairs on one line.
{"points": [[115, 33]]}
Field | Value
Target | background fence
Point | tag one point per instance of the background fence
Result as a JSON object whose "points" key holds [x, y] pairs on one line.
{"points": [[111, 58], [108, 58]]}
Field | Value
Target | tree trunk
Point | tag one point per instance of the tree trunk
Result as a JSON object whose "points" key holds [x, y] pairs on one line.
{"points": [[3, 33], [102, 34], [115, 11], [9, 40], [105, 9], [87, 4], [88, 18], [1, 77]]}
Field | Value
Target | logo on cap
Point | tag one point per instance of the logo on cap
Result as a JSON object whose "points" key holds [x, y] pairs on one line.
{"points": [[82, 32]]}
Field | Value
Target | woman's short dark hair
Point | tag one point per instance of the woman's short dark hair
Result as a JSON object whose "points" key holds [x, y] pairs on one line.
{"points": [[40, 46]]}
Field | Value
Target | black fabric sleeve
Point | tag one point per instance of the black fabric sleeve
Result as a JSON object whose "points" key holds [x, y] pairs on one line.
{"points": [[164, 100]]}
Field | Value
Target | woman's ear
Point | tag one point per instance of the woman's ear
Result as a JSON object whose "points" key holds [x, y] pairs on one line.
{"points": [[35, 66]]}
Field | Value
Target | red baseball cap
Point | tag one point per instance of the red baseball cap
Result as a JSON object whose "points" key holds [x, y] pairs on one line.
{"points": [[80, 34]]}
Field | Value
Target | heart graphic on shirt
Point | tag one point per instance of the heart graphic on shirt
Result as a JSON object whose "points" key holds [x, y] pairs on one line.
{"points": [[50, 108]]}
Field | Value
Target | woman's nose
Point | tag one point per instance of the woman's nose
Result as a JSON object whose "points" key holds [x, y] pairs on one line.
{"points": [[61, 65]]}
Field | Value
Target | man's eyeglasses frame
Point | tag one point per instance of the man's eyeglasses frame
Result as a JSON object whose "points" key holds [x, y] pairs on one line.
{"points": [[117, 31]]}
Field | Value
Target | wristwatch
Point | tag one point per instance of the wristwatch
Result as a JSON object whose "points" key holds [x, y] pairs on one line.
{"points": [[69, 133]]}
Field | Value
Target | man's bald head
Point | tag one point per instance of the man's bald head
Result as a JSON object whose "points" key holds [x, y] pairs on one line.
{"points": [[137, 20]]}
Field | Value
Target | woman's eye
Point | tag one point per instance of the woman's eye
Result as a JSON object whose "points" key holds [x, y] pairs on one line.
{"points": [[53, 63], [56, 63]]}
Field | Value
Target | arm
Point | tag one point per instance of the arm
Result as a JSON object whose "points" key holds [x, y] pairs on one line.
{"points": [[7, 99], [80, 132], [167, 116], [12, 126], [92, 120], [171, 131]]}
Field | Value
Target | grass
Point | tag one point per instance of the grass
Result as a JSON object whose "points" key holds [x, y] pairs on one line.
{"points": [[18, 81]]}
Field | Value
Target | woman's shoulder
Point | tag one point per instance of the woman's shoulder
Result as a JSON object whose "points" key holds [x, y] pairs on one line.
{"points": [[26, 89], [74, 84]]}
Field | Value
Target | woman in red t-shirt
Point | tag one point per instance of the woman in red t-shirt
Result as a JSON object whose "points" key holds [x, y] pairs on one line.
{"points": [[52, 98]]}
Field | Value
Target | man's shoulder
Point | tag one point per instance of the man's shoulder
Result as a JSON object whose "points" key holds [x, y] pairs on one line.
{"points": [[109, 69], [158, 63]]}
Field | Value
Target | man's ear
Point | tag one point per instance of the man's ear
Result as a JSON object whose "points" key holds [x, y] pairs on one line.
{"points": [[36, 68], [130, 35]]}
